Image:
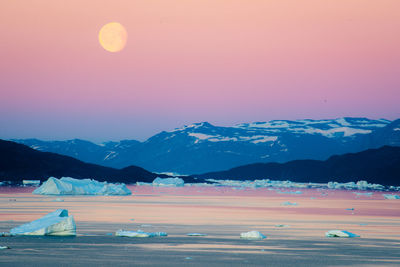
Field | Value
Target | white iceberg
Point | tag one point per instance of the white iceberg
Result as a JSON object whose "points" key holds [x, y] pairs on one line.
{"points": [[253, 235], [177, 182], [390, 196], [139, 233], [340, 233], [71, 186], [55, 223]]}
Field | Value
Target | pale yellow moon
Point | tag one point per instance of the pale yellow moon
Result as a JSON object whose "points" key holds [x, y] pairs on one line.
{"points": [[113, 36]]}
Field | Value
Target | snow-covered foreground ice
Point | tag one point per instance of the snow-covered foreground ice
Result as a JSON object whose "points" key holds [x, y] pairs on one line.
{"points": [[71, 186], [55, 223]]}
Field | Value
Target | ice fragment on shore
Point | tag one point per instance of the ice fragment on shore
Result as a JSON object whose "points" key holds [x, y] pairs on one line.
{"points": [[71, 186], [340, 233], [177, 182], [196, 234], [55, 223], [390, 196], [253, 235], [139, 233]]}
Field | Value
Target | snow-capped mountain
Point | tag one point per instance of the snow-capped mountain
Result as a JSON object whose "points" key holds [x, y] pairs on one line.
{"points": [[202, 147]]}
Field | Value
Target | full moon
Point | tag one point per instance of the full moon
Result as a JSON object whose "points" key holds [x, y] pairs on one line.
{"points": [[112, 37]]}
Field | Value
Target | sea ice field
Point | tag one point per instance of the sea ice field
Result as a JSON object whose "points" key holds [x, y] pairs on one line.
{"points": [[202, 226]]}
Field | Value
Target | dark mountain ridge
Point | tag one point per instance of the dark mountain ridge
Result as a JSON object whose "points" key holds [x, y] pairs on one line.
{"points": [[381, 166], [19, 162], [203, 147]]}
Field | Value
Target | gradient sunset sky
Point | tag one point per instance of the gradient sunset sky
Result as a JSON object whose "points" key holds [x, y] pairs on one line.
{"points": [[221, 61]]}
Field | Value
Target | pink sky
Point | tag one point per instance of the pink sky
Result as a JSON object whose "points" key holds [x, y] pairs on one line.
{"points": [[222, 61]]}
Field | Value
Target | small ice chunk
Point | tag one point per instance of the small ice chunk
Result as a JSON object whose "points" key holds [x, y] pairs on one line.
{"points": [[340, 233], [139, 233], [288, 203], [350, 209], [391, 196], [175, 182], [55, 223], [196, 234], [31, 182], [253, 235], [282, 225], [71, 186], [4, 247], [369, 194]]}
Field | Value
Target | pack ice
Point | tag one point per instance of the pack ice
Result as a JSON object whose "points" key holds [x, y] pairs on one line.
{"points": [[55, 223], [340, 233], [168, 182], [71, 186], [254, 235]]}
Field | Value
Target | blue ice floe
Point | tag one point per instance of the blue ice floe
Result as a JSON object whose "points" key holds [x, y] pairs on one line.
{"points": [[340, 233], [55, 223], [391, 196], [252, 235]]}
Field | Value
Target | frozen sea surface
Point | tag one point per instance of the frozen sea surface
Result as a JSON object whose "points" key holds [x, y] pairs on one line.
{"points": [[221, 212]]}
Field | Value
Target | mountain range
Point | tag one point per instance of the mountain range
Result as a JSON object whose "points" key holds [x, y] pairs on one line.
{"points": [[19, 162], [203, 147], [381, 166]]}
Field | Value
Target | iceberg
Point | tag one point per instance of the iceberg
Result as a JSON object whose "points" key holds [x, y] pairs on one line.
{"points": [[390, 196], [55, 223], [139, 233], [71, 186], [340, 233], [168, 182], [253, 235]]}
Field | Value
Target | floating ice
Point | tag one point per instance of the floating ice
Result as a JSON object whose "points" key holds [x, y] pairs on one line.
{"points": [[369, 194], [196, 234], [139, 233], [71, 186], [360, 185], [282, 225], [55, 223], [340, 233], [288, 203], [254, 235], [168, 182], [4, 247], [391, 196], [31, 182]]}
